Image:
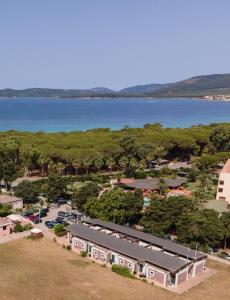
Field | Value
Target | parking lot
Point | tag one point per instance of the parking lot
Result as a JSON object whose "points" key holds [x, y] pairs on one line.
{"points": [[52, 215]]}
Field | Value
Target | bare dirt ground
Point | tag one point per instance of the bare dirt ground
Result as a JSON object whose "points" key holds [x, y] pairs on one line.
{"points": [[44, 270]]}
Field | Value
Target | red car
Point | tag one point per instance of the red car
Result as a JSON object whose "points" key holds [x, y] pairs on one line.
{"points": [[31, 217]]}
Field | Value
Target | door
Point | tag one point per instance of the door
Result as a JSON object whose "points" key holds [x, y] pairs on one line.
{"points": [[113, 259]]}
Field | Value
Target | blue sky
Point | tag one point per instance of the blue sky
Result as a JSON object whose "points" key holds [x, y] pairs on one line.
{"points": [[112, 43]]}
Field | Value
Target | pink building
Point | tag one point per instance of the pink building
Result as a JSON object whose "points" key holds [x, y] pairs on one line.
{"points": [[5, 226]]}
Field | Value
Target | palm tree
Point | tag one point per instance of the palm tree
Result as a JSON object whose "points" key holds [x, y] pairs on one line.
{"points": [[123, 162], [110, 163], [133, 163], [142, 164], [43, 162], [98, 163], [76, 164], [197, 199], [60, 167], [86, 163]]}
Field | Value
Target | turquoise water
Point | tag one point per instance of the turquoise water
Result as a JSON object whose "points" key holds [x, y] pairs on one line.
{"points": [[52, 115]]}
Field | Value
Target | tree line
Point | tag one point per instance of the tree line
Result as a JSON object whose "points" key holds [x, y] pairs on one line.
{"points": [[128, 149]]}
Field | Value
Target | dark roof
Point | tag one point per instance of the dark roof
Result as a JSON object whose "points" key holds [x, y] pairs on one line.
{"points": [[157, 258], [144, 184], [153, 183], [174, 182], [167, 245]]}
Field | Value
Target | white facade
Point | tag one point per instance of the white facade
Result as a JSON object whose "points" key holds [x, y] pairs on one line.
{"points": [[223, 188]]}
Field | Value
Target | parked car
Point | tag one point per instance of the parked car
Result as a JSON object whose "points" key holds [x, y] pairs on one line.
{"points": [[45, 209], [72, 219], [37, 220], [31, 217], [42, 214], [62, 214], [60, 220], [224, 255], [27, 213], [49, 224], [61, 201]]}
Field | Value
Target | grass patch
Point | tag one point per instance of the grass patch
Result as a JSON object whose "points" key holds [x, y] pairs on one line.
{"points": [[123, 271]]}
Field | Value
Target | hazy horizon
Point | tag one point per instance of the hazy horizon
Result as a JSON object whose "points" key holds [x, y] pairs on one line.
{"points": [[114, 44]]}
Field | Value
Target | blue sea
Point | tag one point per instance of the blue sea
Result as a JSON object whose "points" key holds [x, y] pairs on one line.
{"points": [[53, 115]]}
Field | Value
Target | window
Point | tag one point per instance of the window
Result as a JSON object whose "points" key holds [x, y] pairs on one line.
{"points": [[95, 252], [102, 255], [151, 273], [76, 243], [220, 190], [129, 265], [121, 262], [4, 227], [221, 182], [82, 245]]}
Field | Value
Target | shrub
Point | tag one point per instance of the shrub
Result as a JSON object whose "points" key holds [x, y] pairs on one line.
{"points": [[68, 247], [27, 227], [83, 253], [59, 228], [62, 233], [123, 271], [18, 228]]}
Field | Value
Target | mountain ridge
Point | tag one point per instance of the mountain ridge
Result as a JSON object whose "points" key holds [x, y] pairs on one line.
{"points": [[197, 86]]}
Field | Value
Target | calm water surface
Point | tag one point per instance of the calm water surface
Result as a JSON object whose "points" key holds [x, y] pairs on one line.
{"points": [[52, 115]]}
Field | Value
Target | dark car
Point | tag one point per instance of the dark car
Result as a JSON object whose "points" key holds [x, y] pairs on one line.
{"points": [[224, 255], [49, 224], [59, 220], [42, 214], [61, 201], [62, 214], [37, 220]]}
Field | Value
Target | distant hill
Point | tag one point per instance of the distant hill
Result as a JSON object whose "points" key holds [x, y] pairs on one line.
{"points": [[198, 86], [143, 89]]}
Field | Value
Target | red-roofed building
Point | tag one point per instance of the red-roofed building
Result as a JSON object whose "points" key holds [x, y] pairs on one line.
{"points": [[223, 189]]}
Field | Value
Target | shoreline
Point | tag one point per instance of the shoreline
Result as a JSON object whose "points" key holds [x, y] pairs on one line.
{"points": [[131, 98]]}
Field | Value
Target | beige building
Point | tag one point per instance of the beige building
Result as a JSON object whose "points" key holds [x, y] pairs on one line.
{"points": [[223, 189], [15, 202]]}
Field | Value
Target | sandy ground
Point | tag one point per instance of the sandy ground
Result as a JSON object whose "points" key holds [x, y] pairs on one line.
{"points": [[44, 270]]}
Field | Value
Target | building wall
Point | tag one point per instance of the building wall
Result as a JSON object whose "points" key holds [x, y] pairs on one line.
{"points": [[181, 276], [78, 244], [225, 193], [126, 262], [198, 267], [17, 204], [100, 254], [155, 274], [4, 230]]}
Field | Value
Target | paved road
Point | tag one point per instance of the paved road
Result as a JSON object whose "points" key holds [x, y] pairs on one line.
{"points": [[218, 259]]}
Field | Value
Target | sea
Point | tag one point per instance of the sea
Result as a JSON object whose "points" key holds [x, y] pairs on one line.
{"points": [[55, 115]]}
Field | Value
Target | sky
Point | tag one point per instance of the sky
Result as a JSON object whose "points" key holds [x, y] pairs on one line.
{"points": [[111, 43]]}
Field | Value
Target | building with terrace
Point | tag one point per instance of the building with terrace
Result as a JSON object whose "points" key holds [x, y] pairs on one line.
{"points": [[161, 261]]}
